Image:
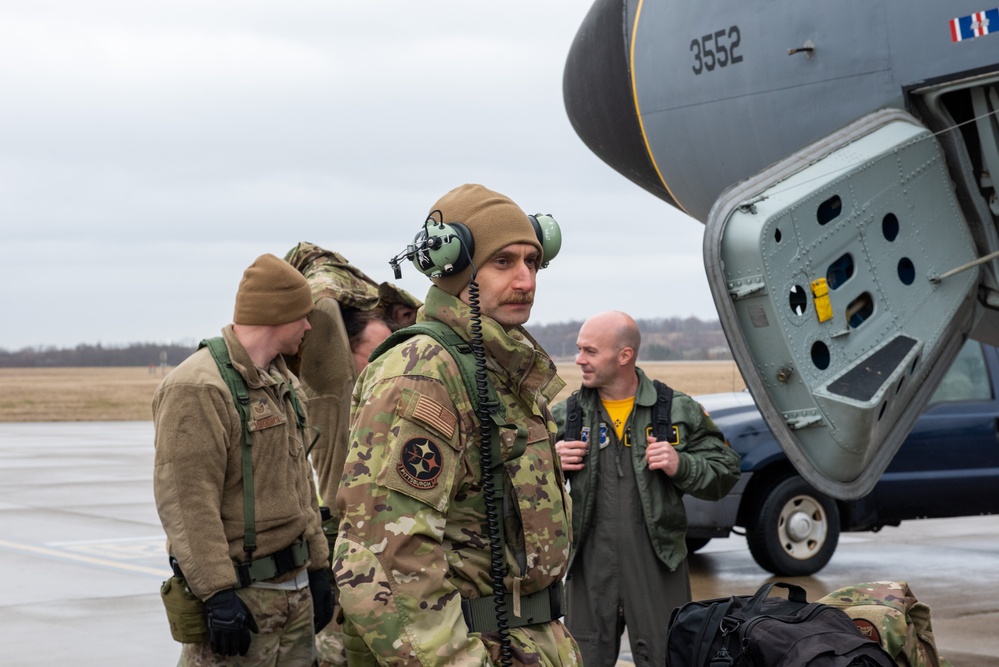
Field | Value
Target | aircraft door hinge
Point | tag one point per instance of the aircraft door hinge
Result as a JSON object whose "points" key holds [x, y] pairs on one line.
{"points": [[743, 287], [800, 419]]}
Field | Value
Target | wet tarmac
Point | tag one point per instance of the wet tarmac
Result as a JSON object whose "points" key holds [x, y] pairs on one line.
{"points": [[82, 557]]}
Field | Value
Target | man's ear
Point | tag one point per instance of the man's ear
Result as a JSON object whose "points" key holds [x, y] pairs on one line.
{"points": [[625, 355]]}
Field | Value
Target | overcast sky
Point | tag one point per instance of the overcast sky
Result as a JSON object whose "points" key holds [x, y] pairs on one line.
{"points": [[149, 151]]}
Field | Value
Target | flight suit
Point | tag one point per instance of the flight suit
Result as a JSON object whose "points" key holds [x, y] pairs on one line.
{"points": [[628, 564]]}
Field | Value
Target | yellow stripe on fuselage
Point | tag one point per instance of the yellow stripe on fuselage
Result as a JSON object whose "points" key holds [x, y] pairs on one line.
{"points": [[641, 125]]}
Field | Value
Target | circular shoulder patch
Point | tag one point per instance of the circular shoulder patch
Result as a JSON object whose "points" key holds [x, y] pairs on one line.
{"points": [[420, 463], [867, 629]]}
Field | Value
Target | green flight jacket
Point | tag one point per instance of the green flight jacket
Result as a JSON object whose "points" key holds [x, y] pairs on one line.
{"points": [[708, 467]]}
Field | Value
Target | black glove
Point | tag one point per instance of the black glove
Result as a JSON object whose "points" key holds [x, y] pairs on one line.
{"points": [[322, 598], [229, 623]]}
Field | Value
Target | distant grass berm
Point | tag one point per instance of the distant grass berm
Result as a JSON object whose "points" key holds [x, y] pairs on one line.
{"points": [[125, 394]]}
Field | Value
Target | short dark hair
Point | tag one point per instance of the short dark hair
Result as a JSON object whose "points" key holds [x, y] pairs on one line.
{"points": [[356, 321]]}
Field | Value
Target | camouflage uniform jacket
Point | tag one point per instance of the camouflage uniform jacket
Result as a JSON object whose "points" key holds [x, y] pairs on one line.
{"points": [[326, 367], [198, 479], [708, 468], [413, 539]]}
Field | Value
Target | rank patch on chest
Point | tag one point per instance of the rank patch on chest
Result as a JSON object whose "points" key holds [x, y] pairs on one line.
{"points": [[420, 463]]}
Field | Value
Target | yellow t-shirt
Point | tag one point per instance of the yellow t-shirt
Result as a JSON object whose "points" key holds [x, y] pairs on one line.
{"points": [[619, 412]]}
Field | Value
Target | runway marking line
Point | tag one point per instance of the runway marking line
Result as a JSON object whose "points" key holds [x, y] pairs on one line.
{"points": [[85, 559]]}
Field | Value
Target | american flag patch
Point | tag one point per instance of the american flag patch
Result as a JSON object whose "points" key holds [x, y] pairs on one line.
{"points": [[975, 25], [434, 414]]}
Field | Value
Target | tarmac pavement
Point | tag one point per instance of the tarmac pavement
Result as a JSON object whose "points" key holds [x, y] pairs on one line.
{"points": [[82, 557]]}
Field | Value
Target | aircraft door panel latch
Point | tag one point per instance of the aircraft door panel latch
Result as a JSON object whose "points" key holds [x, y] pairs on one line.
{"points": [[820, 295]]}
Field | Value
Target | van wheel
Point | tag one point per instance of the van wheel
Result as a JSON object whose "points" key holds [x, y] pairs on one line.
{"points": [[795, 530]]}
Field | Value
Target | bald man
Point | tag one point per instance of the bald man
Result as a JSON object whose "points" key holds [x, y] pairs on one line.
{"points": [[627, 477]]}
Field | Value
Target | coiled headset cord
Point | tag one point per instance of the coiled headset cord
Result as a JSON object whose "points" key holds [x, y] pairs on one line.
{"points": [[497, 561]]}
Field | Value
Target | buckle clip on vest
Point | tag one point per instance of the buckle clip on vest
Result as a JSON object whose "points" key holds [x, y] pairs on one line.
{"points": [[540, 607], [274, 565]]}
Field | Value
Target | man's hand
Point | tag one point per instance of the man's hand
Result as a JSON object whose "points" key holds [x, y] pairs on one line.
{"points": [[662, 456], [571, 454], [229, 623], [322, 597]]}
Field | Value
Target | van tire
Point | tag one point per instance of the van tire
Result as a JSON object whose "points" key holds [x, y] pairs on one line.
{"points": [[794, 530]]}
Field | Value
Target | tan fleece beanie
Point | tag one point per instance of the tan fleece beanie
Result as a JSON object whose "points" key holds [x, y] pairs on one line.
{"points": [[272, 292], [494, 221]]}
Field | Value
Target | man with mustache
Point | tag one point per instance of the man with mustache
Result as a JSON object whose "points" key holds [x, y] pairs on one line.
{"points": [[412, 559], [233, 485]]}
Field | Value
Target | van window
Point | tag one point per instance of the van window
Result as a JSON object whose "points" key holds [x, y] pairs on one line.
{"points": [[967, 379]]}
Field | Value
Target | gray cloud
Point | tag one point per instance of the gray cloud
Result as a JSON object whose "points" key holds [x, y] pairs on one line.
{"points": [[149, 151]]}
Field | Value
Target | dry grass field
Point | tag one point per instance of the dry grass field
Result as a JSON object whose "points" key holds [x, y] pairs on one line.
{"points": [[690, 377], [76, 394], [124, 394]]}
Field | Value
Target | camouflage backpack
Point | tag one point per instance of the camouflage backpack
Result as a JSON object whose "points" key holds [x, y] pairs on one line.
{"points": [[888, 613], [331, 275]]}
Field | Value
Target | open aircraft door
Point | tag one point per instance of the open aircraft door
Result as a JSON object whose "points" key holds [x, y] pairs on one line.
{"points": [[831, 273]]}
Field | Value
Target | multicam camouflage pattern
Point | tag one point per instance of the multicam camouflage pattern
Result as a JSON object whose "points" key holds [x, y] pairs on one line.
{"points": [[389, 293], [326, 369], [888, 612], [329, 642], [286, 637], [331, 275], [413, 538]]}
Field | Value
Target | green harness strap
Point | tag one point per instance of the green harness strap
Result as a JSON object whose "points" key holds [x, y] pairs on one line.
{"points": [[459, 349], [241, 395]]}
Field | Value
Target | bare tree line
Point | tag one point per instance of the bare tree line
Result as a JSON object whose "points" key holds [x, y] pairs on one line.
{"points": [[134, 354], [665, 339]]}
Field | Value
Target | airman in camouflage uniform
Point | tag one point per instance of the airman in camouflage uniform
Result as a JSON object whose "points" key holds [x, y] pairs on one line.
{"points": [[889, 613], [413, 547], [327, 370]]}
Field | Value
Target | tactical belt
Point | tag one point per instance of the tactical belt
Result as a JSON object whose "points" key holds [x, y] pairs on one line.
{"points": [[268, 567], [540, 607]]}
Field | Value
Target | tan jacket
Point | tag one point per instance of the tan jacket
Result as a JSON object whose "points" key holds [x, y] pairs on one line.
{"points": [[198, 480]]}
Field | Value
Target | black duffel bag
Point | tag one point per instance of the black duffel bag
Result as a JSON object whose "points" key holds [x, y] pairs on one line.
{"points": [[763, 631]]}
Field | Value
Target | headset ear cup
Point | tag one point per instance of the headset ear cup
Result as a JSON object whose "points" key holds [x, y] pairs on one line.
{"points": [[467, 246], [442, 249], [549, 236]]}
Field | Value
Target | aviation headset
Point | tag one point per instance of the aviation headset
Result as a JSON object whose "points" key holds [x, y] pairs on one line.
{"points": [[445, 248]]}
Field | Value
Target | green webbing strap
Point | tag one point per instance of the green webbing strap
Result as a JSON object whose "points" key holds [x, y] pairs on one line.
{"points": [[241, 396], [459, 349]]}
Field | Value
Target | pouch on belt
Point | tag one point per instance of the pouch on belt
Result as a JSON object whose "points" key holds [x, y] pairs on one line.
{"points": [[185, 611]]}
